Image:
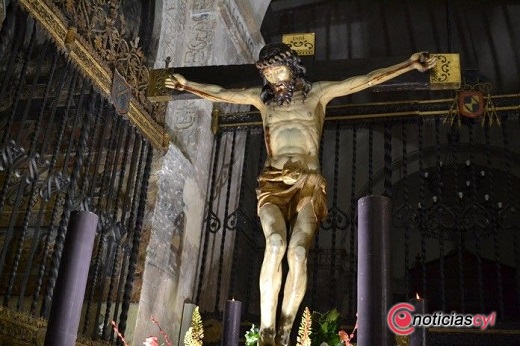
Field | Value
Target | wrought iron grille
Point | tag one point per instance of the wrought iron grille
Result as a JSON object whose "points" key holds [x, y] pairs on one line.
{"points": [[455, 215], [64, 148]]}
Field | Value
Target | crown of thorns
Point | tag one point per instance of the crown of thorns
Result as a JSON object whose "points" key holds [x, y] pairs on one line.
{"points": [[274, 54]]}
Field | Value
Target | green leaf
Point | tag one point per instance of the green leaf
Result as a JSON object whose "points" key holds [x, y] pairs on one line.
{"points": [[324, 328], [332, 315]]}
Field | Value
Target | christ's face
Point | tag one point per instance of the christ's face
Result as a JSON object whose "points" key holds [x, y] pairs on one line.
{"points": [[277, 74]]}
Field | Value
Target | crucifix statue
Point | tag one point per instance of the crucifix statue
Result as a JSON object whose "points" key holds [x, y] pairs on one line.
{"points": [[291, 191]]}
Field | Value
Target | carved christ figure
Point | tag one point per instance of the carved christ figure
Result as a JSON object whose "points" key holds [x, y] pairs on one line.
{"points": [[291, 191]]}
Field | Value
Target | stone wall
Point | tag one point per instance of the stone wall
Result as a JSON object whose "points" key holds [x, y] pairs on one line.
{"points": [[193, 33]]}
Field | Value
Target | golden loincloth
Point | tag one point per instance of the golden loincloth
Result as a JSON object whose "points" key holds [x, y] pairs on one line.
{"points": [[291, 190]]}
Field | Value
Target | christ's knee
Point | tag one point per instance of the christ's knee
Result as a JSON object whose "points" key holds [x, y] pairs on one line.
{"points": [[275, 245], [297, 256]]}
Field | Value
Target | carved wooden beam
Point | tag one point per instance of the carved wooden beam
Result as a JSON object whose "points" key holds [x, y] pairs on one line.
{"points": [[92, 66]]}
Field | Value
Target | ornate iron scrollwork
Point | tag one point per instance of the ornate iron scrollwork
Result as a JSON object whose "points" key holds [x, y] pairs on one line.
{"points": [[10, 154], [336, 219], [238, 220], [509, 217], [405, 216], [106, 30], [213, 222], [476, 217]]}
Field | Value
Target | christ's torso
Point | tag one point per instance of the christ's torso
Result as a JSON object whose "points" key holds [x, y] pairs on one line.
{"points": [[292, 133]]}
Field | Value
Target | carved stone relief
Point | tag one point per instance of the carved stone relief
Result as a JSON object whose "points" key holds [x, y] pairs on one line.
{"points": [[200, 27], [163, 258], [246, 39], [170, 178], [173, 23], [190, 126]]}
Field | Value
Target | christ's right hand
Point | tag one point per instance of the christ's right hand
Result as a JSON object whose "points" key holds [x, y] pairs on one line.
{"points": [[175, 81]]}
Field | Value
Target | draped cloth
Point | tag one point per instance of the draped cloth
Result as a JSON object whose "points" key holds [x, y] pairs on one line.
{"points": [[291, 190]]}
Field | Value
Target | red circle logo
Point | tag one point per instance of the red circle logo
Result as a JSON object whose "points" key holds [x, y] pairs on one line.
{"points": [[399, 319]]}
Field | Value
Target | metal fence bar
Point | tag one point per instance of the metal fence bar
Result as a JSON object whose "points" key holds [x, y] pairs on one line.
{"points": [[136, 239]]}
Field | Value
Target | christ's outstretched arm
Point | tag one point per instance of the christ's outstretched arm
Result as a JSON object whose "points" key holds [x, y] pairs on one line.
{"points": [[215, 93], [332, 89]]}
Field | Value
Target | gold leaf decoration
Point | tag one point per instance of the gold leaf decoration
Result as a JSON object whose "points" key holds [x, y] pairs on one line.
{"points": [[100, 31], [102, 25]]}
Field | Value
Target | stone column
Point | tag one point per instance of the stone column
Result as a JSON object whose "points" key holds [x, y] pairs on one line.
{"points": [[193, 33]]}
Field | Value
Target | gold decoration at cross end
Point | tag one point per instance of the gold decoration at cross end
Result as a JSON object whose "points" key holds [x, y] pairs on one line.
{"points": [[157, 92], [446, 73], [303, 44]]}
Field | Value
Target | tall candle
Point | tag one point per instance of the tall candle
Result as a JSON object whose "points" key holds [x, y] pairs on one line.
{"points": [[418, 337], [232, 323]]}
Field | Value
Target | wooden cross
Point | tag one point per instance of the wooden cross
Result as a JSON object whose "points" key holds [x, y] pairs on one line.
{"points": [[445, 75]]}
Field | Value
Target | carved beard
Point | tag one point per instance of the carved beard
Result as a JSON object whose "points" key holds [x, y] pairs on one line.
{"points": [[283, 92]]}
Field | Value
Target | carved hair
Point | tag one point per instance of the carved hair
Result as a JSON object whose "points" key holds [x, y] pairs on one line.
{"points": [[281, 54]]}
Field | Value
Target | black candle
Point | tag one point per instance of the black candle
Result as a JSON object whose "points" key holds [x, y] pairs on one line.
{"points": [[374, 270], [418, 337], [232, 323], [67, 300]]}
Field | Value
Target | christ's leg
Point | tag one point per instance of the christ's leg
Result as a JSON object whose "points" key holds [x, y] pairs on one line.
{"points": [[301, 238], [275, 231]]}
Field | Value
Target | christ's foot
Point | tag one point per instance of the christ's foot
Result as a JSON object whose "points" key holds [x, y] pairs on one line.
{"points": [[266, 338], [282, 339]]}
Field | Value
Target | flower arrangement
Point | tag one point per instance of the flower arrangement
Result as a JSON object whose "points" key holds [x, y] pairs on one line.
{"points": [[326, 330], [315, 329]]}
